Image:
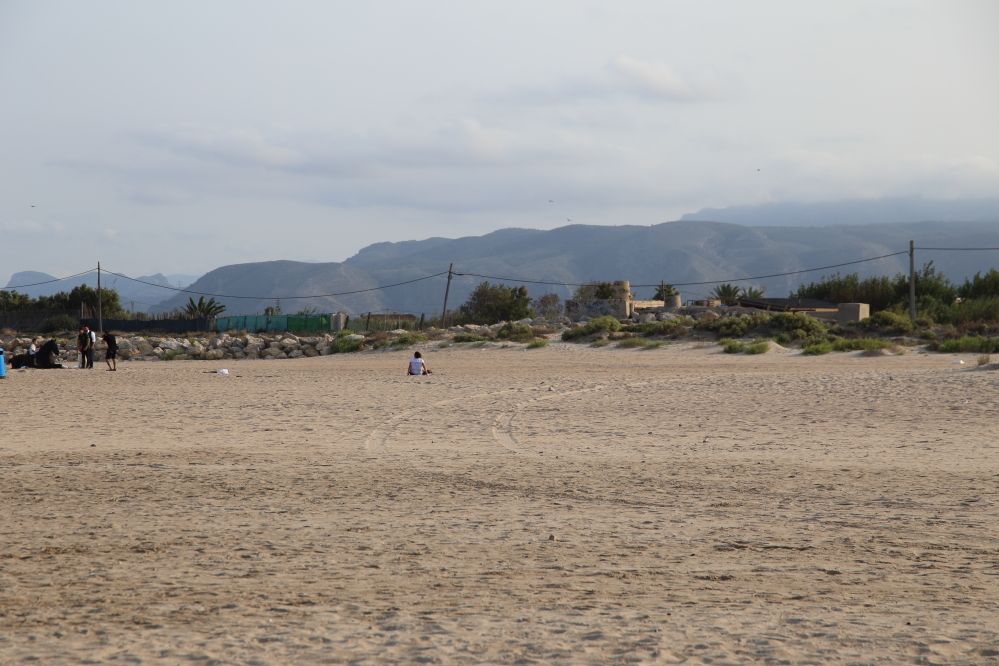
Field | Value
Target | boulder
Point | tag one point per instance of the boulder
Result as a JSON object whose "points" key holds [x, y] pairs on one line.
{"points": [[310, 351], [295, 353], [708, 315]]}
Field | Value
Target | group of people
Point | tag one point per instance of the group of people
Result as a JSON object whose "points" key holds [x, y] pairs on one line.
{"points": [[86, 341]]}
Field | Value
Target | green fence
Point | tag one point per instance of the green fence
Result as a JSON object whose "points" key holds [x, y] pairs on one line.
{"points": [[275, 323]]}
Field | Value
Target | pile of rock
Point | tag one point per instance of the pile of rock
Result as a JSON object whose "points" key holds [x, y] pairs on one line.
{"points": [[209, 348], [266, 346]]}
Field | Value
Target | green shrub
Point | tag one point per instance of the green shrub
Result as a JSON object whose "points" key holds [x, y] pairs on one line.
{"points": [[976, 310], [860, 344], [731, 346], [639, 343], [606, 324], [468, 337], [758, 347], [733, 326], [669, 327], [889, 322], [537, 343], [798, 324], [408, 339], [967, 344], [783, 338], [343, 345], [600, 343], [817, 348], [515, 332], [58, 323]]}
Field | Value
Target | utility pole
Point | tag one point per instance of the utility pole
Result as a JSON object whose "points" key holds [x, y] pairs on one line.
{"points": [[912, 280], [447, 289], [100, 311]]}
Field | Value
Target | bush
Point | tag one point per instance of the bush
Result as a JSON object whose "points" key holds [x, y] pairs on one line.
{"points": [[515, 332], [738, 347], [408, 339], [58, 323], [537, 343], [967, 344], [976, 310], [668, 327], [731, 346], [343, 345], [817, 348], [860, 344], [798, 324], [468, 337], [600, 325], [639, 343], [600, 343], [889, 322]]}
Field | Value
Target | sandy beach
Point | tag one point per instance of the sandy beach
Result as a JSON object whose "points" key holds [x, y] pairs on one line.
{"points": [[557, 505]]}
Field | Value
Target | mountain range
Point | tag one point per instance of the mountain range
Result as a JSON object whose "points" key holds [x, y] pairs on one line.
{"points": [[675, 252], [712, 245]]}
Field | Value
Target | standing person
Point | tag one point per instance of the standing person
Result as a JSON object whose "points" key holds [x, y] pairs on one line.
{"points": [[417, 366], [82, 342], [93, 346], [111, 355]]}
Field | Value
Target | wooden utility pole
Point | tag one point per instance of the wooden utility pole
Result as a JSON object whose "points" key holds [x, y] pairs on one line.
{"points": [[912, 280], [100, 310], [447, 289]]}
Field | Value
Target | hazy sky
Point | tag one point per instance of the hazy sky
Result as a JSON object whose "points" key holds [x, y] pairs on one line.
{"points": [[179, 136]]}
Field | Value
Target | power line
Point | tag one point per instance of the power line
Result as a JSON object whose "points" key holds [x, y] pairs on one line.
{"points": [[957, 249], [35, 284], [761, 277], [691, 284], [271, 297], [524, 281]]}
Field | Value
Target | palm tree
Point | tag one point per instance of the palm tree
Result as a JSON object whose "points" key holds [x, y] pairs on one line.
{"points": [[664, 292], [203, 309], [752, 292], [727, 293]]}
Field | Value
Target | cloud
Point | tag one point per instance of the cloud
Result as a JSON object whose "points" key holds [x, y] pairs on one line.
{"points": [[649, 79], [231, 146], [623, 78]]}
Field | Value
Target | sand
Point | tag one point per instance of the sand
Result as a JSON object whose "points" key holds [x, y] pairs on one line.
{"points": [[558, 505]]}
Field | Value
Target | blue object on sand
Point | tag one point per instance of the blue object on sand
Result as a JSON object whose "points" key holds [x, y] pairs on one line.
{"points": [[3, 364]]}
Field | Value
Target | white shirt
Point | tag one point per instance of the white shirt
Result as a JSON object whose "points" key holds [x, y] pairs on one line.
{"points": [[416, 366]]}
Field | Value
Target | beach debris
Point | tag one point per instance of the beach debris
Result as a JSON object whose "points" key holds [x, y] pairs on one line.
{"points": [[223, 372], [551, 537]]}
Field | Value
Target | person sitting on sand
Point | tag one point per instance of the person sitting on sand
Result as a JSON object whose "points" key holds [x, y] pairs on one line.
{"points": [[417, 366]]}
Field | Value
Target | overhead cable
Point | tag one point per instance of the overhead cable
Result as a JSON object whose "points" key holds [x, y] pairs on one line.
{"points": [[690, 284], [271, 297], [957, 249], [35, 284]]}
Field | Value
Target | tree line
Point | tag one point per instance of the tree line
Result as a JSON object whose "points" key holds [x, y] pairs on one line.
{"points": [[85, 298]]}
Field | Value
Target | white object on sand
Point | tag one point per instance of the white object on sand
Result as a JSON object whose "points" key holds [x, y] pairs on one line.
{"points": [[224, 372]]}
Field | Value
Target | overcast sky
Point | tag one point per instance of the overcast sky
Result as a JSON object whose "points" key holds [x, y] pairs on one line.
{"points": [[179, 136]]}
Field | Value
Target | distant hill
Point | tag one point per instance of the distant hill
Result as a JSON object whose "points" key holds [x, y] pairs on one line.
{"points": [[133, 294], [684, 251], [855, 212]]}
